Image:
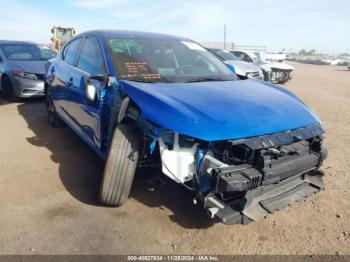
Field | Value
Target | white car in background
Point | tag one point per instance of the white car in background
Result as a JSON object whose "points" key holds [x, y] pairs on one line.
{"points": [[274, 72], [241, 68]]}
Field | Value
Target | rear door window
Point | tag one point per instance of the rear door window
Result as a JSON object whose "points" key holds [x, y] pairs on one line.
{"points": [[71, 51], [64, 51], [247, 58], [91, 58], [239, 54]]}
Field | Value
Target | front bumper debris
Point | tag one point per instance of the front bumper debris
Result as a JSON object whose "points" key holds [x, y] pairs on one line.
{"points": [[262, 201], [280, 169]]}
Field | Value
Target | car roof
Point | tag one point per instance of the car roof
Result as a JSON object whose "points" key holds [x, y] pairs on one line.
{"points": [[16, 42], [246, 51], [133, 34]]}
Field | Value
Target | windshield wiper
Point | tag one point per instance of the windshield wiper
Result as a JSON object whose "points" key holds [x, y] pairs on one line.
{"points": [[206, 79], [141, 80], [161, 79]]}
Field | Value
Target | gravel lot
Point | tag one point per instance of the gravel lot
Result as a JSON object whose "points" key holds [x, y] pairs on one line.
{"points": [[49, 182]]}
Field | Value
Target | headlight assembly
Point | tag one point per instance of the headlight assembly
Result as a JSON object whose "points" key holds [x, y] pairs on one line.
{"points": [[274, 76], [26, 75]]}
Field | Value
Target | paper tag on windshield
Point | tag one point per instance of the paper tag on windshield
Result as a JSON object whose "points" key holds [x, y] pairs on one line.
{"points": [[193, 46]]}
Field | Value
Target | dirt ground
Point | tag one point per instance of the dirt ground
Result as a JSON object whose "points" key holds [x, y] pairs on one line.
{"points": [[49, 182]]}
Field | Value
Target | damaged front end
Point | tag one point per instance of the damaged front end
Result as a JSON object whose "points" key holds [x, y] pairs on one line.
{"points": [[279, 75], [258, 176], [242, 180]]}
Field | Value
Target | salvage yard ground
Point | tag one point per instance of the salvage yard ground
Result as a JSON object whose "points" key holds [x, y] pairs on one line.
{"points": [[49, 182]]}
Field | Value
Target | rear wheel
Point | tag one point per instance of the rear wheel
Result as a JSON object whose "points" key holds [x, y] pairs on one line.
{"points": [[7, 89], [120, 166], [51, 112]]}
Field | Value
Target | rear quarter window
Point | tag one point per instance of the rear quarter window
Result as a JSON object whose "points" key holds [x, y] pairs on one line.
{"points": [[64, 51], [70, 52]]}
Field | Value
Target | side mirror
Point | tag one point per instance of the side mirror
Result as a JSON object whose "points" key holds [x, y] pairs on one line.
{"points": [[90, 88], [90, 92]]}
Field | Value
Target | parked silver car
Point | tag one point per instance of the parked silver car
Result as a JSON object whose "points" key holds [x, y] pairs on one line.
{"points": [[23, 68], [274, 72], [241, 68]]}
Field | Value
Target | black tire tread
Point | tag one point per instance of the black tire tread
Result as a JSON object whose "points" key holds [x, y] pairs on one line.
{"points": [[120, 169], [6, 84]]}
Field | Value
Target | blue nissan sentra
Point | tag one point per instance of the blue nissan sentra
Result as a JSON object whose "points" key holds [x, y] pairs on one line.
{"points": [[246, 148]]}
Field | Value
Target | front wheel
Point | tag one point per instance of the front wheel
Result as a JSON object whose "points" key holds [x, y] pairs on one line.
{"points": [[7, 89], [120, 166], [266, 76]]}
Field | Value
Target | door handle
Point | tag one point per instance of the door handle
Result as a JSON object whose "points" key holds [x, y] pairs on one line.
{"points": [[70, 82], [52, 70]]}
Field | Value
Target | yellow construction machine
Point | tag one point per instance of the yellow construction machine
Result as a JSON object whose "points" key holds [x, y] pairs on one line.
{"points": [[60, 35]]}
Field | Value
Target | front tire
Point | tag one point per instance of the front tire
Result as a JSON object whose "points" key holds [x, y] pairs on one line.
{"points": [[120, 166], [7, 89], [266, 76]]}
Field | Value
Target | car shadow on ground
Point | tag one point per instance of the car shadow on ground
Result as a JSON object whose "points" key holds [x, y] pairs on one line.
{"points": [[80, 170], [3, 101], [171, 196], [78, 167]]}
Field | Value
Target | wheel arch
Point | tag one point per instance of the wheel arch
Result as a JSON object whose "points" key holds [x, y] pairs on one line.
{"points": [[129, 111], [3, 75], [126, 112]]}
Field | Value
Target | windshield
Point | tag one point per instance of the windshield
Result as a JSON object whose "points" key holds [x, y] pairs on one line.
{"points": [[27, 52], [260, 56], [223, 54], [158, 60], [255, 57], [64, 33]]}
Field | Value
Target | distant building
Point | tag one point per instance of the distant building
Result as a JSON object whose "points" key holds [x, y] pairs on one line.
{"points": [[220, 45], [251, 48]]}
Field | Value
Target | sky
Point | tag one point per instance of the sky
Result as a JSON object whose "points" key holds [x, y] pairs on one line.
{"points": [[292, 25]]}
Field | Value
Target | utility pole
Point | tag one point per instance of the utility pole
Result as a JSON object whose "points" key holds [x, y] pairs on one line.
{"points": [[225, 36]]}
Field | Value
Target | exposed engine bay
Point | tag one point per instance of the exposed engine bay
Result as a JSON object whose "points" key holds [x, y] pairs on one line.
{"points": [[279, 75], [242, 180]]}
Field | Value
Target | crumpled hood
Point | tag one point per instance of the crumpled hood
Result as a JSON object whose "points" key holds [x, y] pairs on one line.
{"points": [[283, 66], [35, 67], [220, 110], [242, 66]]}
